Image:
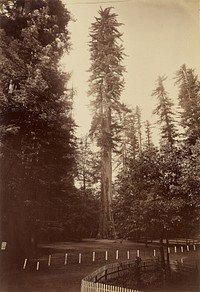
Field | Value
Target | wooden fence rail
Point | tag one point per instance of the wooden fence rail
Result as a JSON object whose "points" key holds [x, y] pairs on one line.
{"points": [[92, 283]]}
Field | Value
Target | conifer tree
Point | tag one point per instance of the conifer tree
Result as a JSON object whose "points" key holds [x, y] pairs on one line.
{"points": [[37, 131], [189, 101], [148, 141], [106, 84], [164, 110], [139, 127], [88, 167]]}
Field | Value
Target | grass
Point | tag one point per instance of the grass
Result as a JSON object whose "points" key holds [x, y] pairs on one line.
{"points": [[59, 277], [152, 281]]}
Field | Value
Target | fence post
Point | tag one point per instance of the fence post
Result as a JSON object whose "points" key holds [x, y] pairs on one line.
{"points": [[65, 259], [106, 274], [49, 260], [79, 258], [93, 256], [25, 262], [117, 254], [106, 255]]}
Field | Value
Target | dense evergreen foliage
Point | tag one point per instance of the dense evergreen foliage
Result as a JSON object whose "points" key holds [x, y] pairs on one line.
{"points": [[164, 110], [37, 131], [158, 191], [189, 101]]}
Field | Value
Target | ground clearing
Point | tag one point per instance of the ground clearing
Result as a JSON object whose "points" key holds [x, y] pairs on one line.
{"points": [[59, 277]]}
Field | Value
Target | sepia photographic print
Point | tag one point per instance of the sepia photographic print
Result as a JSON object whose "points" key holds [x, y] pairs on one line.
{"points": [[99, 145]]}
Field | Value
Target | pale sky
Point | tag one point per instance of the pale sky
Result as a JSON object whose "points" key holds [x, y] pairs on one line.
{"points": [[158, 35]]}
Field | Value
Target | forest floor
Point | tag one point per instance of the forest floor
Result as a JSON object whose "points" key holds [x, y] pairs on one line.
{"points": [[65, 272]]}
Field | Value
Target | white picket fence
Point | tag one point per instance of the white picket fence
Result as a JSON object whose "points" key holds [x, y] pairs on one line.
{"points": [[99, 287], [91, 283]]}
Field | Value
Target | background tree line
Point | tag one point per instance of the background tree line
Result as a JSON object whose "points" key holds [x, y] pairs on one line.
{"points": [[158, 186]]}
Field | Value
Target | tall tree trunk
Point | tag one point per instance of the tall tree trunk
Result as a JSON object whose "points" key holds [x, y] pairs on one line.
{"points": [[106, 228], [106, 223]]}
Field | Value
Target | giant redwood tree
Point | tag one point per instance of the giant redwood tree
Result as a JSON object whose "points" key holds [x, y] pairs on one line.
{"points": [[106, 84]]}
